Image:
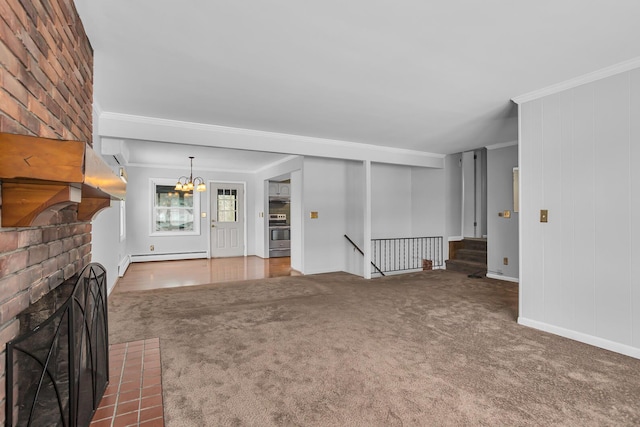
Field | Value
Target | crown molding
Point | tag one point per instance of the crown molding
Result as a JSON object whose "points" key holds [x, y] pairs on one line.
{"points": [[117, 125], [501, 145], [578, 81]]}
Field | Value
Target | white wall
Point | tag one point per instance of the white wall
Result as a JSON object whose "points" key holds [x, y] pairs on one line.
{"points": [[355, 216], [106, 247], [502, 232], [429, 207], [139, 213], [391, 201], [324, 190], [428, 213], [580, 159], [297, 230]]}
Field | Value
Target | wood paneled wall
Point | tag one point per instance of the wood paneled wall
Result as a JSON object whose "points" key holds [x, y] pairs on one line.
{"points": [[580, 160]]}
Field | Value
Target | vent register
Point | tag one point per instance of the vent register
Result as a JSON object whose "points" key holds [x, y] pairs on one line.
{"points": [[41, 176]]}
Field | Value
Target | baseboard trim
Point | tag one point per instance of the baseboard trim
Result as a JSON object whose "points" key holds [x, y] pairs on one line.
{"points": [[455, 238], [617, 347], [110, 289], [123, 265], [168, 257], [505, 278]]}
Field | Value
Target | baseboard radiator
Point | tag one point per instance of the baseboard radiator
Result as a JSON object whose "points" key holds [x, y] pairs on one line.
{"points": [[168, 256]]}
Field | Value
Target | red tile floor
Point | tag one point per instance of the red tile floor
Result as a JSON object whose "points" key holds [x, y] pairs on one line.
{"points": [[134, 394]]}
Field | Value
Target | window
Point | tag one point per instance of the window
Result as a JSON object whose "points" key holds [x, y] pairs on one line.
{"points": [[227, 205], [174, 212]]}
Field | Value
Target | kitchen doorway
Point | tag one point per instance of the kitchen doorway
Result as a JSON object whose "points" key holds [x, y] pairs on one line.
{"points": [[227, 226], [279, 218]]}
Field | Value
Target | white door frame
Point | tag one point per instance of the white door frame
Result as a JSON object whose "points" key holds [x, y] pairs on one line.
{"points": [[244, 220]]}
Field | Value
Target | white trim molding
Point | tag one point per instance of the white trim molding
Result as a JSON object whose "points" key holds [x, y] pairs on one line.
{"points": [[455, 238], [169, 182], [582, 337], [123, 265], [578, 81], [501, 145], [126, 126], [505, 278]]}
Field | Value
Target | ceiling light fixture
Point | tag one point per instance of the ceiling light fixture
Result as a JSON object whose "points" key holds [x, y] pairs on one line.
{"points": [[188, 184]]}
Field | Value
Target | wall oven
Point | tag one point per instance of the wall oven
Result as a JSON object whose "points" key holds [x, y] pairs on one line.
{"points": [[279, 236]]}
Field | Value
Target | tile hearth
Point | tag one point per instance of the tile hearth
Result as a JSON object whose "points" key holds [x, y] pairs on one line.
{"points": [[134, 394]]}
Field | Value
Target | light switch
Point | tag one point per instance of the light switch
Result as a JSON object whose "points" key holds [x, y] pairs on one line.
{"points": [[314, 215], [544, 215]]}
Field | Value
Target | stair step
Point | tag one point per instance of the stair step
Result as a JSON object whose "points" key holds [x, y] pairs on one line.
{"points": [[471, 255], [475, 244], [468, 267]]}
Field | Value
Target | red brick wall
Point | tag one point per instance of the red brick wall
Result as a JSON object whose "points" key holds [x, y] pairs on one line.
{"points": [[46, 89]]}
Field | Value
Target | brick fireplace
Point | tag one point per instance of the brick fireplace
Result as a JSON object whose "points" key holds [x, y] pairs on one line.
{"points": [[46, 90]]}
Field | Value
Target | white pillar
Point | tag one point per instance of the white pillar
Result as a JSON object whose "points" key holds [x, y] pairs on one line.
{"points": [[367, 220]]}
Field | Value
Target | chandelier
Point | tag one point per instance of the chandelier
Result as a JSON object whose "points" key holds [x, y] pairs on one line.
{"points": [[188, 184]]}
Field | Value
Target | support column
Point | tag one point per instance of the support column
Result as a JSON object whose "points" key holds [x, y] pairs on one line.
{"points": [[367, 220]]}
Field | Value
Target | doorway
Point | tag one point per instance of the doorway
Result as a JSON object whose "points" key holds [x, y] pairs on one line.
{"points": [[227, 219]]}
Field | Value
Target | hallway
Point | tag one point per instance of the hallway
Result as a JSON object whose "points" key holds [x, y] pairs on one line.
{"points": [[171, 274]]}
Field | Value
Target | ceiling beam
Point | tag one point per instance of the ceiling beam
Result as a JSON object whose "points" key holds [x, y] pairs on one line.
{"points": [[116, 125]]}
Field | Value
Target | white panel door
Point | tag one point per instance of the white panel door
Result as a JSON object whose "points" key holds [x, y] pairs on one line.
{"points": [[227, 220]]}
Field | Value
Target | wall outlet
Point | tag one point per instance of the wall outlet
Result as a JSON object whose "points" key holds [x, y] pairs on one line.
{"points": [[505, 261], [152, 248], [544, 215]]}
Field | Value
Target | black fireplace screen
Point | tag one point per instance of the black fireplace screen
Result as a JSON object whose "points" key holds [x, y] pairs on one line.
{"points": [[60, 367]]}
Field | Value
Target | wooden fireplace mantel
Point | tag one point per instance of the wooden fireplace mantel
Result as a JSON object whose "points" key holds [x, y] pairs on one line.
{"points": [[40, 176]]}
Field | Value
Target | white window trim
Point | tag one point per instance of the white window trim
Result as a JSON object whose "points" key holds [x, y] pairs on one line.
{"points": [[152, 200]]}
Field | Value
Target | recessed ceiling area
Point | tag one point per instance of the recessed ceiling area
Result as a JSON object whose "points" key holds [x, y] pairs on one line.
{"points": [[434, 76]]}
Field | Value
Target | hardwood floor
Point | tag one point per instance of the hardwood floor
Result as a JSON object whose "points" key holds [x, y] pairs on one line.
{"points": [[170, 274]]}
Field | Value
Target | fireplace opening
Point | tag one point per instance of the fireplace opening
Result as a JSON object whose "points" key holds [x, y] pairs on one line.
{"points": [[58, 368]]}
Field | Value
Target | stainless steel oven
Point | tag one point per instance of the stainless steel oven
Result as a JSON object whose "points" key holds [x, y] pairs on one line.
{"points": [[279, 236], [279, 241]]}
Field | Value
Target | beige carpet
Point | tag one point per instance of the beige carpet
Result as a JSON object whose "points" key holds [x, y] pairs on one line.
{"points": [[419, 349]]}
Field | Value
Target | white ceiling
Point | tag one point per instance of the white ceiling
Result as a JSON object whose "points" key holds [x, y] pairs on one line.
{"points": [[433, 76]]}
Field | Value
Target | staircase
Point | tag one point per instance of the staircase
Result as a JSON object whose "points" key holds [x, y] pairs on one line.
{"points": [[468, 256]]}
